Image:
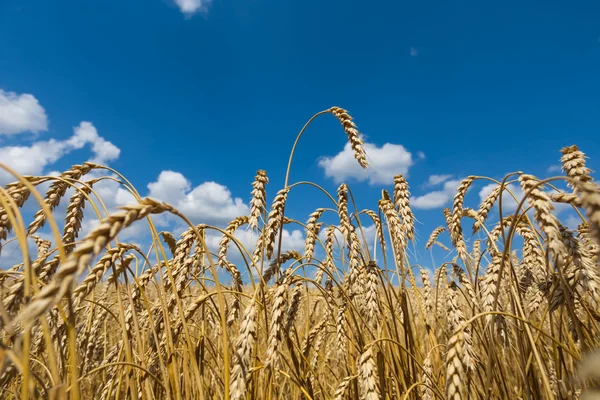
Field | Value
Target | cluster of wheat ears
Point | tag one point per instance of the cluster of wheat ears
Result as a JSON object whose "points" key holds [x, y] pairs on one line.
{"points": [[513, 313]]}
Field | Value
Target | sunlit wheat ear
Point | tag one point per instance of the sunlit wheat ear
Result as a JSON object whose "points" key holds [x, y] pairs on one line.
{"points": [[276, 325], [371, 293], [56, 192], [244, 346], [455, 228], [402, 202], [573, 164], [455, 370], [98, 271], [19, 194], [397, 233], [226, 238], [440, 280], [342, 206], [455, 320], [258, 203], [425, 390], [43, 245], [74, 214], [170, 240], [428, 299], [543, 214], [14, 296], [378, 228], [342, 332], [434, 235], [353, 135], [368, 377], [590, 199], [311, 234], [79, 259], [485, 207], [466, 284], [292, 311], [342, 388], [274, 220]]}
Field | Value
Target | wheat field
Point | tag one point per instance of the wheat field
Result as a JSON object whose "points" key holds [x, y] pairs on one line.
{"points": [[512, 313]]}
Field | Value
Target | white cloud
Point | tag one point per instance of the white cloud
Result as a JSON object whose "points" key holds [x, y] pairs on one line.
{"points": [[436, 199], [209, 202], [33, 159], [21, 113], [554, 168], [385, 162], [435, 180], [189, 7]]}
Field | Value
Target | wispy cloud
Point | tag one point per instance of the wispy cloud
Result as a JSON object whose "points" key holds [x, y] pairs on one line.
{"points": [[436, 199], [435, 180], [189, 7], [413, 52]]}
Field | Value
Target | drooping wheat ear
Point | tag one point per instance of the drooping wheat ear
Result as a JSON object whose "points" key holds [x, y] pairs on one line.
{"points": [[14, 296], [19, 194], [276, 264], [590, 199], [78, 260], [485, 207], [573, 164], [340, 391], [74, 214], [369, 381], [274, 220], [434, 235], [311, 233], [98, 271], [170, 240], [293, 307], [56, 193], [258, 204], [378, 228], [455, 228], [395, 224], [470, 295], [43, 245], [226, 238], [455, 320], [244, 347], [567, 198], [276, 325], [402, 202], [455, 370], [548, 222], [353, 135]]}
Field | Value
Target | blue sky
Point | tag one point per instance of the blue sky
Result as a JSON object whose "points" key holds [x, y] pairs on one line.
{"points": [[215, 90]]}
